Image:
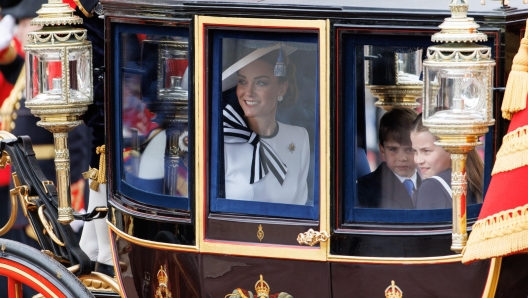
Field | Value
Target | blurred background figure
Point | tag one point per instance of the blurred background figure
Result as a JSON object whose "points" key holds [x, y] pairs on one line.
{"points": [[11, 68], [17, 119]]}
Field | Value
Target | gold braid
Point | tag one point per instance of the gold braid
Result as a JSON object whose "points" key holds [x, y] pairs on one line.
{"points": [[101, 178], [97, 176]]}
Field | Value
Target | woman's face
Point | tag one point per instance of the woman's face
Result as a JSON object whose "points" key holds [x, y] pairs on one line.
{"points": [[258, 90], [430, 159]]}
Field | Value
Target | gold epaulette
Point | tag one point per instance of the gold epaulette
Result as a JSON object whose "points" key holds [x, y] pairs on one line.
{"points": [[82, 9], [8, 55], [12, 102]]}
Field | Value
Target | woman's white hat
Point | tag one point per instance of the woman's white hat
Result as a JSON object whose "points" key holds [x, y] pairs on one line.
{"points": [[229, 76]]}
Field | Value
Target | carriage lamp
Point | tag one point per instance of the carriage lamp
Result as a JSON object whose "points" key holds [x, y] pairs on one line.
{"points": [[457, 101], [59, 84], [171, 108], [391, 76]]}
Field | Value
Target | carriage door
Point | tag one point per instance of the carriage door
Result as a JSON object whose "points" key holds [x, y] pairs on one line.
{"points": [[263, 124], [379, 224]]}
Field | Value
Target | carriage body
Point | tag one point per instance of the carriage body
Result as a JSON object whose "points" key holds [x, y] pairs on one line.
{"points": [[209, 247]]}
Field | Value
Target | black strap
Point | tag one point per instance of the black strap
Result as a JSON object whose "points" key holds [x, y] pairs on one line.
{"points": [[29, 173], [97, 213]]}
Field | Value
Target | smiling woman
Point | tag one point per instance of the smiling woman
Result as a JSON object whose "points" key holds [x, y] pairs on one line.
{"points": [[264, 160]]}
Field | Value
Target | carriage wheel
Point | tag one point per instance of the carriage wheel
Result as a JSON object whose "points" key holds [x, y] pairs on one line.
{"points": [[22, 264]]}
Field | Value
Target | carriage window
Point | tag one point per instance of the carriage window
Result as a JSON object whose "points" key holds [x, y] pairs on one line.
{"points": [[154, 75], [400, 150], [264, 118], [398, 168]]}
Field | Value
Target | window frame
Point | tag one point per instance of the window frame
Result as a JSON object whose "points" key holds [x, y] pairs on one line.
{"points": [[371, 220], [225, 205], [129, 191], [247, 243]]}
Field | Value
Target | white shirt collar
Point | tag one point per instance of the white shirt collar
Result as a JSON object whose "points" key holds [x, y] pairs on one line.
{"points": [[413, 178]]}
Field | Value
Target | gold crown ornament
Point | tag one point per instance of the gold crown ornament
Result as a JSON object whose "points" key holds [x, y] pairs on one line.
{"points": [[262, 288], [393, 291], [162, 291], [162, 277]]}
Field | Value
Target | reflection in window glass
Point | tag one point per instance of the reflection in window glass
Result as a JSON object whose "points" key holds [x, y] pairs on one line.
{"points": [[269, 93], [407, 170], [155, 113]]}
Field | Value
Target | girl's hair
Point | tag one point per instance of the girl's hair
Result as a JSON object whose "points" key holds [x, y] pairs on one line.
{"points": [[418, 126], [474, 164], [475, 174], [290, 97]]}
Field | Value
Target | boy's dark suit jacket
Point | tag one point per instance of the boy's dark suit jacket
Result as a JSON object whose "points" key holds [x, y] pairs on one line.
{"points": [[382, 189]]}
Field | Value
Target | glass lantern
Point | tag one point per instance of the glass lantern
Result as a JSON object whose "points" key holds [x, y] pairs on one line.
{"points": [[170, 106], [457, 104], [59, 84], [458, 88], [173, 63], [393, 75], [52, 84]]}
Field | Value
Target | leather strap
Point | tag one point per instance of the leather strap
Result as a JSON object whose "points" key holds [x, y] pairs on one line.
{"points": [[29, 173]]}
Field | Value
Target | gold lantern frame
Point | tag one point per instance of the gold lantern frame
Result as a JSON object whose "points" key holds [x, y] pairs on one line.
{"points": [[59, 116], [459, 133]]}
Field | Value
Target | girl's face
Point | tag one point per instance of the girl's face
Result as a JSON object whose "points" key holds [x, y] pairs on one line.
{"points": [[430, 159], [258, 89]]}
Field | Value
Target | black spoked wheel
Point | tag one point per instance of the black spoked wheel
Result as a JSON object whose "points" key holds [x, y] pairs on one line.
{"points": [[22, 264]]}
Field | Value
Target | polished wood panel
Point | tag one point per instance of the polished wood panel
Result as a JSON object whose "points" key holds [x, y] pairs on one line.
{"points": [[245, 229]]}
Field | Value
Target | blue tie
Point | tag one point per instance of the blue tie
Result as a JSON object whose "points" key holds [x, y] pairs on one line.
{"points": [[409, 185]]}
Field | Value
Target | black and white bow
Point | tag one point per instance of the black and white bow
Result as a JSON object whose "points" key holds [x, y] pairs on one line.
{"points": [[265, 159]]}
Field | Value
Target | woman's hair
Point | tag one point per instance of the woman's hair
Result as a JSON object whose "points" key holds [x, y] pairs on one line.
{"points": [[474, 164], [290, 97]]}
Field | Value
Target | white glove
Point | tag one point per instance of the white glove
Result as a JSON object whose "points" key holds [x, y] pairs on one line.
{"points": [[7, 29]]}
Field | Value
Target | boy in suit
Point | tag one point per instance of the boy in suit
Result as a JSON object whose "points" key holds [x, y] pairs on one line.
{"points": [[394, 183]]}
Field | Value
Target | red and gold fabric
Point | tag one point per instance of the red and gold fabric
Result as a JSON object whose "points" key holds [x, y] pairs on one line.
{"points": [[502, 226]]}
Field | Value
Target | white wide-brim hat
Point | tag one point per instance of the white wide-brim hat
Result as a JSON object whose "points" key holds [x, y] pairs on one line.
{"points": [[230, 77]]}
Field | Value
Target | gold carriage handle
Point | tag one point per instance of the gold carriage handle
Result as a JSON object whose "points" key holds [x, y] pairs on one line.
{"points": [[312, 237], [14, 210], [48, 226]]}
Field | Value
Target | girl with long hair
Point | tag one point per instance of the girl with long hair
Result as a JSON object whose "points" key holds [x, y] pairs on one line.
{"points": [[434, 164]]}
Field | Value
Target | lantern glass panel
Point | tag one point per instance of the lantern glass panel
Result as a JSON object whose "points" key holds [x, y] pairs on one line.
{"points": [[464, 91], [173, 64], [80, 75], [46, 75], [409, 66], [388, 66]]}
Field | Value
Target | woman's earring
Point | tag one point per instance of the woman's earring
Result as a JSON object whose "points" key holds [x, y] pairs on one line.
{"points": [[280, 97]]}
